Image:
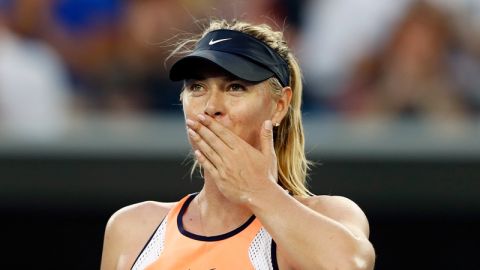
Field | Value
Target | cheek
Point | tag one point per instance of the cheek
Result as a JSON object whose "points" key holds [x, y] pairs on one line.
{"points": [[247, 123], [188, 113], [190, 107]]}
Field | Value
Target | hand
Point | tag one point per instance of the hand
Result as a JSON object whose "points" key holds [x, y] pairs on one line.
{"points": [[239, 170]]}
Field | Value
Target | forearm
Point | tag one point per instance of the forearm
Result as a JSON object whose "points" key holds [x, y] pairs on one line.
{"points": [[309, 239]]}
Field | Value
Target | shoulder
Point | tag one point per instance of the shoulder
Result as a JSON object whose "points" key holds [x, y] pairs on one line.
{"points": [[128, 230], [138, 216], [340, 209]]}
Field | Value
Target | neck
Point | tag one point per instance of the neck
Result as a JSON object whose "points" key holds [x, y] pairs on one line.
{"points": [[216, 213], [212, 201]]}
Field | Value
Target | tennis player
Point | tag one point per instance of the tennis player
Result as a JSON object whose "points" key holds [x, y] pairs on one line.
{"points": [[241, 99]]}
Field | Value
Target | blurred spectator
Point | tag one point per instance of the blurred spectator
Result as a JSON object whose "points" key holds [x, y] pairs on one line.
{"points": [[335, 34], [34, 91], [412, 76], [85, 33], [465, 60], [147, 33], [116, 50]]}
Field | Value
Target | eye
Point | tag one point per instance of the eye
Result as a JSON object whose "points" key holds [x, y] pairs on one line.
{"points": [[236, 87], [195, 87]]}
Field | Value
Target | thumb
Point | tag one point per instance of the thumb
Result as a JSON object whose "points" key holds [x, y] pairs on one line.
{"points": [[267, 138]]}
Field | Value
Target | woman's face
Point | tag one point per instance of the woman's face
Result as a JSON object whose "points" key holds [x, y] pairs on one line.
{"points": [[238, 105]]}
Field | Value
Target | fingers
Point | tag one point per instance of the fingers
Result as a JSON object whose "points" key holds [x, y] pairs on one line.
{"points": [[267, 138], [216, 142], [205, 163], [204, 148], [228, 137]]}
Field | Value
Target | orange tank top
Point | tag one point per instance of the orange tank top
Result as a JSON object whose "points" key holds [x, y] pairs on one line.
{"points": [[171, 247]]}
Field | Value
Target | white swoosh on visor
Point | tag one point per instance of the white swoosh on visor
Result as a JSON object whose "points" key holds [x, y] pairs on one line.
{"points": [[211, 42]]}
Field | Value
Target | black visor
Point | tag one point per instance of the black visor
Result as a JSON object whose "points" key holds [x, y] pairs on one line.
{"points": [[238, 53]]}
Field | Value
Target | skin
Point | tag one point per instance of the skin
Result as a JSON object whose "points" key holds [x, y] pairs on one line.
{"points": [[229, 124]]}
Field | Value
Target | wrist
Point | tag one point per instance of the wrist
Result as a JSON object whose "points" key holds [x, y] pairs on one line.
{"points": [[265, 198]]}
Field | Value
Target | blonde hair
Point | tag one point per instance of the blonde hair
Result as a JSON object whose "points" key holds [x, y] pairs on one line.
{"points": [[289, 139]]}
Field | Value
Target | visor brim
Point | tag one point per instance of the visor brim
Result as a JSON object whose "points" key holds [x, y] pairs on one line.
{"points": [[238, 66]]}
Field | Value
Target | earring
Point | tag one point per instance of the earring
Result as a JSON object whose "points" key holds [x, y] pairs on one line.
{"points": [[276, 124]]}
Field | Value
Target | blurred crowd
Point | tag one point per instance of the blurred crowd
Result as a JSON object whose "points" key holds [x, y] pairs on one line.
{"points": [[394, 59], [361, 58]]}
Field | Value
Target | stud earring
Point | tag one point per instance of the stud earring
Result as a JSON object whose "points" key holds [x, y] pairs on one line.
{"points": [[277, 124]]}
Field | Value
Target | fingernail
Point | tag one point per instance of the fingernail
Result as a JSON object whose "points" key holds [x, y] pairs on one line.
{"points": [[201, 117], [191, 132], [190, 123], [268, 125]]}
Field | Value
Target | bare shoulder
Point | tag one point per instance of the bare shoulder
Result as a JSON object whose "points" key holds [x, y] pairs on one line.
{"points": [[139, 213], [341, 209], [128, 230]]}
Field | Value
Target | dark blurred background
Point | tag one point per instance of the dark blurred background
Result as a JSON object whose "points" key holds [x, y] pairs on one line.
{"points": [[89, 121]]}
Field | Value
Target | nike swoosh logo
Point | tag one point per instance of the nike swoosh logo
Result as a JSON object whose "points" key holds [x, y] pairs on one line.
{"points": [[217, 41]]}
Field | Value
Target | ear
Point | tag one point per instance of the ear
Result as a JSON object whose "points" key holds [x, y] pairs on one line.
{"points": [[282, 105]]}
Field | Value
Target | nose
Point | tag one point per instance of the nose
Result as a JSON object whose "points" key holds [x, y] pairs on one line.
{"points": [[215, 105]]}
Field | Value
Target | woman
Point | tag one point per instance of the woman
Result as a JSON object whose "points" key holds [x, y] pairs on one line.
{"points": [[241, 99]]}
